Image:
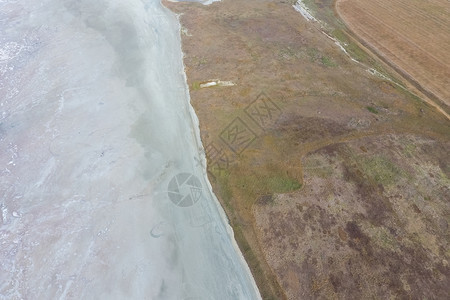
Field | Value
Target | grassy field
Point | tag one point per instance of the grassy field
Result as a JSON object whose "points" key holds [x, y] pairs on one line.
{"points": [[336, 184]]}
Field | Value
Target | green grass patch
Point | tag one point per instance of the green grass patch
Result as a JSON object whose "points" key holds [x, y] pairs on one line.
{"points": [[326, 61], [224, 188], [250, 186], [259, 184], [281, 184], [313, 54], [381, 170], [195, 85], [409, 150], [382, 237], [316, 56], [352, 48], [372, 109]]}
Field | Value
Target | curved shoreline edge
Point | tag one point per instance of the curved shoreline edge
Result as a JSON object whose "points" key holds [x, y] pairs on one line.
{"points": [[196, 132], [199, 100]]}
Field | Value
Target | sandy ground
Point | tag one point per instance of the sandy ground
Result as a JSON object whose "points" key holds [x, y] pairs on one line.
{"points": [[103, 192], [411, 35]]}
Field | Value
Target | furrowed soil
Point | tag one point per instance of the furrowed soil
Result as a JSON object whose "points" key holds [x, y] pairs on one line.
{"points": [[336, 181], [412, 35]]}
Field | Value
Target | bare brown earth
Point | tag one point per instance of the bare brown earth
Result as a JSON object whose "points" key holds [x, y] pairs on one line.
{"points": [[335, 181], [413, 35], [365, 225]]}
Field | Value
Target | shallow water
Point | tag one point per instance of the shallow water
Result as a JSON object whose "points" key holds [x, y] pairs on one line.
{"points": [[102, 179]]}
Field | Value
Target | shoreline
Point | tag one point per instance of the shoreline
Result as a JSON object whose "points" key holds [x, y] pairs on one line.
{"points": [[196, 128], [102, 195], [300, 68]]}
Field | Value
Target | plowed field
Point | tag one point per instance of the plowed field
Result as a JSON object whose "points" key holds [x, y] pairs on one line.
{"points": [[412, 35]]}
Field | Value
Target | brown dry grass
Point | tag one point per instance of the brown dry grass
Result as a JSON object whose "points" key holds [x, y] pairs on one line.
{"points": [[326, 101], [412, 35]]}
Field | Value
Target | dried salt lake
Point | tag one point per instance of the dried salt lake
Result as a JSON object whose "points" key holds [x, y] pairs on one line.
{"points": [[103, 191]]}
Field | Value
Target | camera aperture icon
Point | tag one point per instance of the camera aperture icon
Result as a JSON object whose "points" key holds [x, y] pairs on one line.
{"points": [[184, 189]]}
